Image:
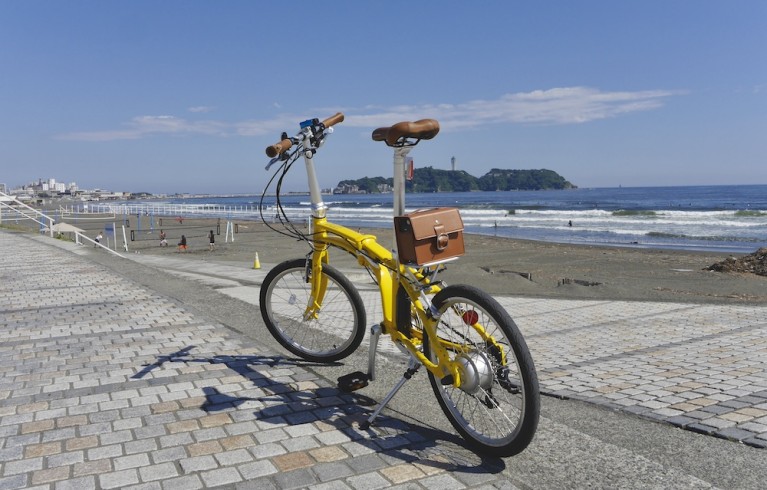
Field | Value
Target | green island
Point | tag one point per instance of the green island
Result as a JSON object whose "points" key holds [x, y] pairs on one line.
{"points": [[428, 179]]}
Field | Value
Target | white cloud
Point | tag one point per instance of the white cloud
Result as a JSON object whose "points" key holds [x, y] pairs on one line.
{"points": [[566, 105], [570, 105], [142, 126], [201, 109]]}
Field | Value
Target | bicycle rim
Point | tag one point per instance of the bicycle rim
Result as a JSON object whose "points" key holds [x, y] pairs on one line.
{"points": [[497, 407], [333, 333]]}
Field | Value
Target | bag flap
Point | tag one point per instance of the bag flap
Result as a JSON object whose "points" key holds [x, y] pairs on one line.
{"points": [[433, 222]]}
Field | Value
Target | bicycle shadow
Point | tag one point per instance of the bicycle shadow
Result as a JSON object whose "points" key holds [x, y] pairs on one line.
{"points": [[278, 398], [439, 450], [281, 403]]}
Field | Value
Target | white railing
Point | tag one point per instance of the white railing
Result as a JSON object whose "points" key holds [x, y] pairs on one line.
{"points": [[180, 210], [19, 209], [11, 209], [79, 236]]}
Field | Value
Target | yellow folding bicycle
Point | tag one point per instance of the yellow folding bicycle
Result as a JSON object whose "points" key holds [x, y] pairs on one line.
{"points": [[478, 363]]}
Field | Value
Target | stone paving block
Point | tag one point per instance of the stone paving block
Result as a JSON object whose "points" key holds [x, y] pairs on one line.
{"points": [[237, 441], [132, 461], [304, 443], [198, 463], [368, 481], [402, 473], [292, 461], [331, 471], [202, 448], [336, 485], [104, 452], [187, 482], [163, 471], [180, 439], [64, 459], [50, 475], [234, 457], [328, 454], [82, 483], [119, 479], [222, 476], [734, 434], [170, 454], [300, 478], [23, 466], [366, 462], [257, 469], [14, 482], [92, 467], [260, 451], [442, 482]]}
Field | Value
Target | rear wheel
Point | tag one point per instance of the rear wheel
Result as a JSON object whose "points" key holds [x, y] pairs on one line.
{"points": [[329, 334], [497, 406]]}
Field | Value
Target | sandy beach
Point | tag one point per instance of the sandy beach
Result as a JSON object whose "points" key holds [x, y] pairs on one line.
{"points": [[498, 265]]}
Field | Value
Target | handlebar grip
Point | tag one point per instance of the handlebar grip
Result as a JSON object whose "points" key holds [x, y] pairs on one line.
{"points": [[334, 119], [279, 148], [284, 145]]}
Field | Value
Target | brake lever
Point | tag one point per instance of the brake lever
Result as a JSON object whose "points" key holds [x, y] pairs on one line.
{"points": [[273, 161], [325, 133]]}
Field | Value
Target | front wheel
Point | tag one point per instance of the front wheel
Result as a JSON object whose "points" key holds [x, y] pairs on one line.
{"points": [[326, 333], [497, 406]]}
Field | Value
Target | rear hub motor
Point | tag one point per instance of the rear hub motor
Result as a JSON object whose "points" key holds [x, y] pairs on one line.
{"points": [[476, 372]]}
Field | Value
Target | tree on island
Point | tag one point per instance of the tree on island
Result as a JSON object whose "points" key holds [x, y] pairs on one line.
{"points": [[428, 179], [531, 180]]}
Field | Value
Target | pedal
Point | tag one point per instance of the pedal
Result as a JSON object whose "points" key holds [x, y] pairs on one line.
{"points": [[352, 381]]}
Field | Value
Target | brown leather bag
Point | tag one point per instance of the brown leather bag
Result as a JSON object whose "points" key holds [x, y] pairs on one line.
{"points": [[429, 236]]}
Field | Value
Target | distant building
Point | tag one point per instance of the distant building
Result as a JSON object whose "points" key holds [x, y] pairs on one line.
{"points": [[348, 189]]}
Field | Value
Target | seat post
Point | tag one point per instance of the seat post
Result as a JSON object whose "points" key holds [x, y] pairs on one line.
{"points": [[400, 154]]}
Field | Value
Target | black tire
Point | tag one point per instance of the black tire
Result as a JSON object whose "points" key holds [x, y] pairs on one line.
{"points": [[497, 408], [334, 334]]}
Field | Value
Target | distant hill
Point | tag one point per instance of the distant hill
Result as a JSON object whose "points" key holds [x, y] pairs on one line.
{"points": [[429, 179]]}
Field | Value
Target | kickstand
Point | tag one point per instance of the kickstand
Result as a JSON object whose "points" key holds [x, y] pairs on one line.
{"points": [[413, 366], [358, 380]]}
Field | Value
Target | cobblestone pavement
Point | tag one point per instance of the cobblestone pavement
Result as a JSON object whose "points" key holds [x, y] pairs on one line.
{"points": [[699, 367], [106, 384]]}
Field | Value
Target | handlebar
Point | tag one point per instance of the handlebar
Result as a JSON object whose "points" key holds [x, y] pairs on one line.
{"points": [[284, 145], [336, 118]]}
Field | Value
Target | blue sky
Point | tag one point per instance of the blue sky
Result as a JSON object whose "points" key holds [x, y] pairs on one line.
{"points": [[183, 96]]}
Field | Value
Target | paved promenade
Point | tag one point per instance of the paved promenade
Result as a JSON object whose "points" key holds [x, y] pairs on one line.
{"points": [[108, 383], [699, 367]]}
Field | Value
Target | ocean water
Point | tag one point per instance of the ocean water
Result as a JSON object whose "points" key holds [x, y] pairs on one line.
{"points": [[711, 218]]}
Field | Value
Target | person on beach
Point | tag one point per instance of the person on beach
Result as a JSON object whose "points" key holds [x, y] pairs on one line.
{"points": [[98, 239], [211, 240], [163, 239], [182, 244]]}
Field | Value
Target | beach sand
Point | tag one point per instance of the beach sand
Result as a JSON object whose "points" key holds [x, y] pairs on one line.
{"points": [[500, 266]]}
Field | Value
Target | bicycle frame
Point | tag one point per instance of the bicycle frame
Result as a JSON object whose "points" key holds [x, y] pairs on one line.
{"points": [[385, 267]]}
